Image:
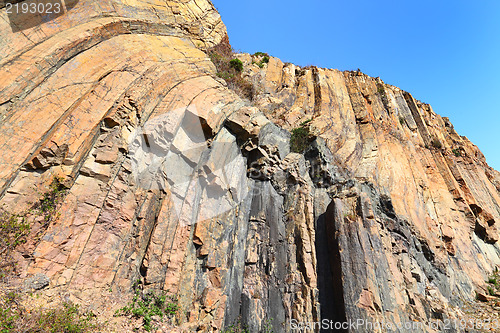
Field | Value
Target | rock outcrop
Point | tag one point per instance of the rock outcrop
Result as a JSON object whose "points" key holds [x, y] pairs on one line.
{"points": [[171, 178]]}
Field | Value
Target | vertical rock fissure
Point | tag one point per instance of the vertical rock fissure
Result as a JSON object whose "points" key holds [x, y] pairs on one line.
{"points": [[329, 267], [317, 91], [324, 270]]}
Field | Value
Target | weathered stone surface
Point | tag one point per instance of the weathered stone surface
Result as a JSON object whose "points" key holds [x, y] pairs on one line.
{"points": [[418, 194], [37, 282], [389, 215], [271, 135]]}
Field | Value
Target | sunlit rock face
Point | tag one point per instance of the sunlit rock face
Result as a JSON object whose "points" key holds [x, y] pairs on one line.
{"points": [[387, 215]]}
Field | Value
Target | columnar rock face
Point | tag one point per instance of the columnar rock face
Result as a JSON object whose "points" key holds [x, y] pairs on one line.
{"points": [[388, 215]]}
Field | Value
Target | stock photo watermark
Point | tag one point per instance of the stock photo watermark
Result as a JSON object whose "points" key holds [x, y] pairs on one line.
{"points": [[385, 326], [31, 13]]}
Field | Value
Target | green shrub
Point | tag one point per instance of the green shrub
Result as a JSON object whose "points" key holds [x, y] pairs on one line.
{"points": [[13, 231], [49, 201], [230, 68], [456, 152], [260, 54], [265, 59], [148, 304], [268, 327], [494, 280], [9, 313], [494, 283], [300, 139], [15, 228], [236, 64]]}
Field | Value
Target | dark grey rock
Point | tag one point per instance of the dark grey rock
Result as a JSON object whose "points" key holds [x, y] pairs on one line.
{"points": [[272, 135], [37, 282]]}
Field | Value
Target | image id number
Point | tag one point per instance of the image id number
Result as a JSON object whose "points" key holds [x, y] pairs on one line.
{"points": [[33, 8]]}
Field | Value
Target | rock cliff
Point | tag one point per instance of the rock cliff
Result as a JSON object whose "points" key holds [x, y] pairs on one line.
{"points": [[328, 195]]}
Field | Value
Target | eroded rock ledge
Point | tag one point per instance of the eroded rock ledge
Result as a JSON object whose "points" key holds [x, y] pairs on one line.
{"points": [[388, 215]]}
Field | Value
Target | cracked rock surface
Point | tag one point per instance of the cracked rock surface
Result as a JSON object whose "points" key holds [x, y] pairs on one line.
{"points": [[174, 180]]}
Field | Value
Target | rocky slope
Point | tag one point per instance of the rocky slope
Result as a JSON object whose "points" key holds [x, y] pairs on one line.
{"points": [[171, 178]]}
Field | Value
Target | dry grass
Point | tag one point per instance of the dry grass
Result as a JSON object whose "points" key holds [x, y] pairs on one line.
{"points": [[436, 143], [230, 69], [15, 229], [65, 318]]}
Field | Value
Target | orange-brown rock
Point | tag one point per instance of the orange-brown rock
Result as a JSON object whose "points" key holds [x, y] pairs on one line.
{"points": [[171, 178]]}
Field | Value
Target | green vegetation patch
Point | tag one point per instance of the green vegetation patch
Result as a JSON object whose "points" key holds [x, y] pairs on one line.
{"points": [[402, 120], [260, 54], [236, 64], [301, 138], [265, 59], [148, 304], [13, 231], [65, 318], [494, 282], [68, 319], [50, 200], [15, 228], [230, 69]]}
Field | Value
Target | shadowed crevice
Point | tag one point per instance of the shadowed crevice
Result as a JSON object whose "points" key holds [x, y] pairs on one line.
{"points": [[329, 268]]}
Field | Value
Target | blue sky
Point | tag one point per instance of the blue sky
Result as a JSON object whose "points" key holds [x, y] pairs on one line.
{"points": [[446, 53]]}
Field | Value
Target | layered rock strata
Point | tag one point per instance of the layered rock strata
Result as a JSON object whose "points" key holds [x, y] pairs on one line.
{"points": [[388, 215]]}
